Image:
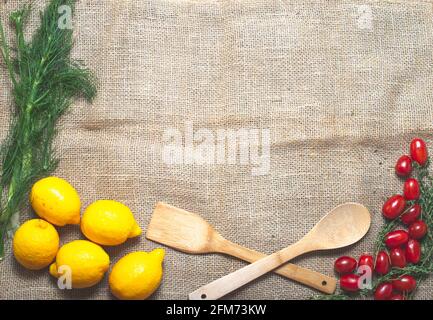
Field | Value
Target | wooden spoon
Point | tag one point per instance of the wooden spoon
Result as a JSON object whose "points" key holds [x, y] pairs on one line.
{"points": [[188, 232], [343, 226]]}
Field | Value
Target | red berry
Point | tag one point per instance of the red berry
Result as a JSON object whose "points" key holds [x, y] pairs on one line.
{"points": [[411, 214], [411, 189], [349, 282], [403, 167], [396, 238], [418, 229], [397, 297], [398, 257], [405, 283], [383, 291], [345, 265], [366, 260], [413, 251], [382, 263], [394, 206], [418, 151]]}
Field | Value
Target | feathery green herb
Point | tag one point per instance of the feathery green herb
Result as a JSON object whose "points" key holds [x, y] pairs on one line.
{"points": [[44, 82], [424, 268]]}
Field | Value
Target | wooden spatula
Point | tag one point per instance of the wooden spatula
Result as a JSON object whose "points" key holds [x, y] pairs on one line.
{"points": [[188, 232], [341, 227]]}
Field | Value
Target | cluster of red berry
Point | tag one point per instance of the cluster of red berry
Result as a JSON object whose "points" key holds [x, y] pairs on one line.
{"points": [[403, 245]]}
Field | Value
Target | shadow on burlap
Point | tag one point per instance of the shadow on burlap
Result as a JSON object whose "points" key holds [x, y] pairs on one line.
{"points": [[342, 86]]}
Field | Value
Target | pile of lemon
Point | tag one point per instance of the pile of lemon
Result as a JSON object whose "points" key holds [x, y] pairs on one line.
{"points": [[81, 262]]}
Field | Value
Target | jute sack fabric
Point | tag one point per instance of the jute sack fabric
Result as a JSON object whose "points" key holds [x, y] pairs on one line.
{"points": [[341, 87]]}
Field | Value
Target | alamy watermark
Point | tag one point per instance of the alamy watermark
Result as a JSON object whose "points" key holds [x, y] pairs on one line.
{"points": [[365, 280], [65, 19], [245, 146], [65, 277], [365, 17]]}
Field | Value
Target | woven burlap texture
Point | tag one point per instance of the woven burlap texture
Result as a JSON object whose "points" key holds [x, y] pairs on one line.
{"points": [[342, 86]]}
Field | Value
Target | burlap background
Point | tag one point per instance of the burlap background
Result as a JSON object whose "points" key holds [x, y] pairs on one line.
{"points": [[341, 93]]}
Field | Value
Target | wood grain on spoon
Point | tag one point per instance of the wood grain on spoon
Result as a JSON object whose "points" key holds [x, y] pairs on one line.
{"points": [[343, 226], [190, 233]]}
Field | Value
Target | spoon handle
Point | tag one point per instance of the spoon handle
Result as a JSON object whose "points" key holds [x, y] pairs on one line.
{"points": [[313, 279], [237, 279]]}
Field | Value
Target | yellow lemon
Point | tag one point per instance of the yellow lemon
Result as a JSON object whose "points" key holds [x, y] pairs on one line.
{"points": [[35, 244], [83, 261], [137, 275], [56, 201], [109, 223]]}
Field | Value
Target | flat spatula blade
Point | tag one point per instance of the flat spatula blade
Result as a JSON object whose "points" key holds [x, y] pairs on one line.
{"points": [[179, 229]]}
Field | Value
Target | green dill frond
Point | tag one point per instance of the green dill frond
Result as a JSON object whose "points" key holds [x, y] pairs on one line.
{"points": [[45, 81]]}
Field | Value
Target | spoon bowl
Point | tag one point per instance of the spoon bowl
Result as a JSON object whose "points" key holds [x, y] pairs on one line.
{"points": [[346, 224]]}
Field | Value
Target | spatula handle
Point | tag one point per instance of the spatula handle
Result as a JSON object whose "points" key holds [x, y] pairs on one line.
{"points": [[305, 276], [237, 279]]}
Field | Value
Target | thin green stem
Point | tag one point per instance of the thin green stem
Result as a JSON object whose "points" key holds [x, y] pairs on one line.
{"points": [[4, 48]]}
